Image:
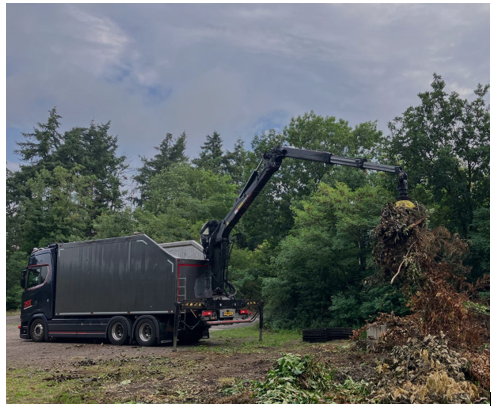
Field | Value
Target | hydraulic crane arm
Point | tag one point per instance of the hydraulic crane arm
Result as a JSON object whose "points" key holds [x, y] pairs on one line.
{"points": [[215, 234]]}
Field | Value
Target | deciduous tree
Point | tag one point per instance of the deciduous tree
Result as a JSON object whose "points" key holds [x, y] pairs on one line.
{"points": [[444, 145]]}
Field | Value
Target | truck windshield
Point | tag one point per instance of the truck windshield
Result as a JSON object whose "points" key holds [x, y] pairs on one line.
{"points": [[36, 276]]}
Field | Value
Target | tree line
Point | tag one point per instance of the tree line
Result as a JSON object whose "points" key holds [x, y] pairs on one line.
{"points": [[304, 246]]}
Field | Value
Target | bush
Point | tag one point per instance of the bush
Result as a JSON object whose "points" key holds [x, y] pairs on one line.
{"points": [[16, 262], [294, 380]]}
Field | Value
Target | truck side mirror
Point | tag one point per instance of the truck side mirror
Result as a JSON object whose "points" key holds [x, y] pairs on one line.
{"points": [[23, 278]]}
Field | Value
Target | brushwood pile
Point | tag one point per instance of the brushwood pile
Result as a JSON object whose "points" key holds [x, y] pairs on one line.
{"points": [[439, 353], [423, 371]]}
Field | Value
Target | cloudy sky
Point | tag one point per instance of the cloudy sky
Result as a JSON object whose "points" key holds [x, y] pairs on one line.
{"points": [[238, 69]]}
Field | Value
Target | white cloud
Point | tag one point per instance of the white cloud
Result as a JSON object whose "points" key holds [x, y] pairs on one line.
{"points": [[13, 166], [233, 67], [462, 91]]}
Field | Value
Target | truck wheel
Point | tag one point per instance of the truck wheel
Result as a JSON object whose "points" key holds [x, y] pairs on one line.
{"points": [[37, 330], [117, 331], [145, 332]]}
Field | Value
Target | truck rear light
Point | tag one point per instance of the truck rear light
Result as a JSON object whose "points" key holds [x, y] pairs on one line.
{"points": [[19, 327], [243, 311], [207, 313]]}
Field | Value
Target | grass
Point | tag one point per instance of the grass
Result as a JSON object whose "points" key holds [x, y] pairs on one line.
{"points": [[29, 386], [97, 382], [245, 340]]}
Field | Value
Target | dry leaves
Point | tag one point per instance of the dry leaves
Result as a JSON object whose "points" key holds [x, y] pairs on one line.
{"points": [[423, 371]]}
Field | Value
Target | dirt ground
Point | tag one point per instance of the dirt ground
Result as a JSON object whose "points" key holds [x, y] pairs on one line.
{"points": [[67, 351], [83, 371]]}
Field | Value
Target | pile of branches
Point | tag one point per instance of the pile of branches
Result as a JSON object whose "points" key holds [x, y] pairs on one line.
{"points": [[423, 371], [479, 367], [399, 239], [398, 331], [427, 266]]}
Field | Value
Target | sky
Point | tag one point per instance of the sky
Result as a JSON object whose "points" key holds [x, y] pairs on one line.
{"points": [[239, 69]]}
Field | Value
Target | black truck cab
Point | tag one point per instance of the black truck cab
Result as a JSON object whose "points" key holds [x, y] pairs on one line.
{"points": [[38, 283]]}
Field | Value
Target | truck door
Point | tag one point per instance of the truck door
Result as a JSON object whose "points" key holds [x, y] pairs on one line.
{"points": [[37, 295]]}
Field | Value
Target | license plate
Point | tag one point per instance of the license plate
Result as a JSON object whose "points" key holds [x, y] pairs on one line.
{"points": [[227, 314]]}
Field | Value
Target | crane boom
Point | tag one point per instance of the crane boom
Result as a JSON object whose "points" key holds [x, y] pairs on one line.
{"points": [[215, 234]]}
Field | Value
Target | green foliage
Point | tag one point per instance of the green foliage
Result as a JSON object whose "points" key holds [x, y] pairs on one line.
{"points": [[328, 251], [115, 224], [40, 145], [38, 151], [444, 145], [166, 227], [186, 197], [16, 262], [181, 198], [242, 267], [351, 392], [294, 380], [67, 180], [170, 151], [477, 308], [211, 156], [65, 183], [237, 164], [94, 150], [270, 217], [14, 214], [354, 306], [58, 209], [249, 268], [480, 239]]}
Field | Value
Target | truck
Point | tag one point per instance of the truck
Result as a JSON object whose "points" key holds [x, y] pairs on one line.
{"points": [[132, 289]]}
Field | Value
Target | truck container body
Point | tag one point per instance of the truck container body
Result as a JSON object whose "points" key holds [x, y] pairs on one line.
{"points": [[130, 275], [123, 289]]}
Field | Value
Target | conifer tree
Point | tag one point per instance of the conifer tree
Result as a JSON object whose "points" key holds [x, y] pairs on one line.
{"points": [[211, 156], [41, 144], [170, 151], [235, 162]]}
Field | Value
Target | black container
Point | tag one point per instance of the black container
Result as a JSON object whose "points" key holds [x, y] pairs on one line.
{"points": [[125, 275]]}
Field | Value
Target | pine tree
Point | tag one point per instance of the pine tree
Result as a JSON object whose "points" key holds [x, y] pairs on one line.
{"points": [[235, 163], [170, 151], [81, 154], [41, 144], [95, 150], [211, 156], [36, 152]]}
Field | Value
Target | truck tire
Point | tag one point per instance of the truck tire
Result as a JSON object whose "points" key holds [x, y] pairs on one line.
{"points": [[37, 330], [145, 332], [118, 330]]}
